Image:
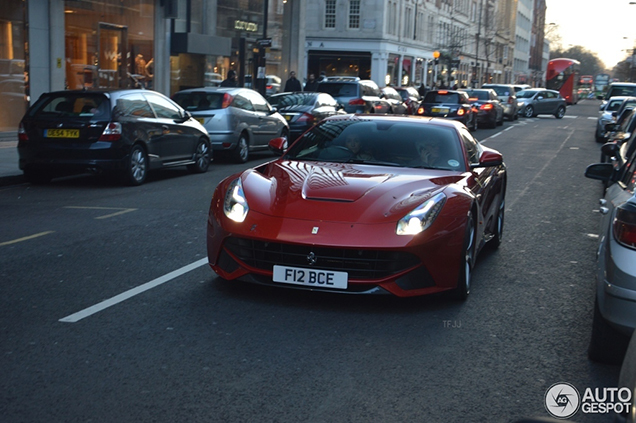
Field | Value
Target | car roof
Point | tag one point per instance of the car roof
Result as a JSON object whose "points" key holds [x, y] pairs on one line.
{"points": [[215, 90], [399, 118]]}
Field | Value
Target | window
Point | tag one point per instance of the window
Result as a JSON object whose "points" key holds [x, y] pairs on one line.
{"points": [[472, 147], [354, 14], [164, 108], [133, 105], [330, 13], [259, 103]]}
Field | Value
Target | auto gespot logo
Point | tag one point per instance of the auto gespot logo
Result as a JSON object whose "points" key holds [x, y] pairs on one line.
{"points": [[563, 400]]}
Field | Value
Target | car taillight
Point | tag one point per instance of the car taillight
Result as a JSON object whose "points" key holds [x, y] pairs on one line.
{"points": [[306, 117], [356, 102], [509, 100], [625, 225], [227, 100], [461, 112], [22, 135], [486, 106], [111, 133], [269, 87], [420, 110]]}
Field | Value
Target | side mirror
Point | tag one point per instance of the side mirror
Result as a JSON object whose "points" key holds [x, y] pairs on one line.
{"points": [[278, 145], [540, 97], [600, 171], [489, 158]]}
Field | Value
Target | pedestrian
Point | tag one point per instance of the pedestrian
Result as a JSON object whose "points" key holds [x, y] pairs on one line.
{"points": [[230, 81], [311, 84], [292, 83], [422, 90]]}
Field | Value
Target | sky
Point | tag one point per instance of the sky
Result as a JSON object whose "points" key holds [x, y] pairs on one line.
{"points": [[604, 27]]}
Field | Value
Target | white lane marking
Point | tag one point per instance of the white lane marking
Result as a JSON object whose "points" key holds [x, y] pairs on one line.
{"points": [[592, 118], [26, 238], [76, 317], [570, 117], [122, 211]]}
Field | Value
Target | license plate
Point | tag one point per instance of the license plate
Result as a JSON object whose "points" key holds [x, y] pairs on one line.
{"points": [[310, 277], [439, 110], [288, 117], [200, 120], [61, 133]]}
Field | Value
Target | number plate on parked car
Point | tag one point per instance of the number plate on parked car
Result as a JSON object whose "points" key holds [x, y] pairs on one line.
{"points": [[310, 277], [61, 133], [440, 109]]}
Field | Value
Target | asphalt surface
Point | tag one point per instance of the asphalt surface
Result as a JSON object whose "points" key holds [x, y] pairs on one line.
{"points": [[195, 348]]}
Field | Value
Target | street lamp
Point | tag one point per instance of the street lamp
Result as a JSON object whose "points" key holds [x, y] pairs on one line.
{"points": [[436, 61]]}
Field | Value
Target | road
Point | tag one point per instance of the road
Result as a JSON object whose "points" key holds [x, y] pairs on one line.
{"points": [[174, 343]]}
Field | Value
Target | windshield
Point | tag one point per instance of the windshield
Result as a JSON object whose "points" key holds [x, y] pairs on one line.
{"points": [[296, 99], [339, 89], [388, 143], [75, 105], [526, 94], [199, 100], [435, 97], [480, 95]]}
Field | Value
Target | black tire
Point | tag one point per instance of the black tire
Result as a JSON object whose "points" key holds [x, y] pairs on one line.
{"points": [[607, 345], [467, 261], [497, 239], [242, 150], [529, 112], [137, 167], [560, 112], [37, 177], [202, 157]]}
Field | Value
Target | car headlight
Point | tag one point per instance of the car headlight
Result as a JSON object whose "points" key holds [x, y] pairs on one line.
{"points": [[235, 205], [421, 217]]}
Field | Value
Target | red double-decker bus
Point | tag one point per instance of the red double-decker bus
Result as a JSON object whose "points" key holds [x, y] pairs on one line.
{"points": [[562, 75]]}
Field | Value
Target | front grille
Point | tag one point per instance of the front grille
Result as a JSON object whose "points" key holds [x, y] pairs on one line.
{"points": [[360, 264]]}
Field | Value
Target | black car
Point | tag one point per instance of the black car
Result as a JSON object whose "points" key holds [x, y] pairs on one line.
{"points": [[356, 96], [449, 104], [302, 110], [490, 112], [119, 132]]}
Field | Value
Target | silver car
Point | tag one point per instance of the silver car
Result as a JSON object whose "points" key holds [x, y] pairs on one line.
{"points": [[615, 305], [508, 97], [608, 114], [540, 101], [238, 120]]}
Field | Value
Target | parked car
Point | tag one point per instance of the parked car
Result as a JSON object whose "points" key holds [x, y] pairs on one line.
{"points": [[366, 204], [490, 112], [355, 95], [615, 309], [619, 89], [124, 132], [272, 84], [611, 122], [541, 101], [449, 104], [303, 110], [395, 100], [411, 98], [521, 87], [508, 97], [238, 120]]}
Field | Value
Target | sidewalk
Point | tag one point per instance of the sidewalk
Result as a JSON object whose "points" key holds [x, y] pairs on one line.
{"points": [[10, 173]]}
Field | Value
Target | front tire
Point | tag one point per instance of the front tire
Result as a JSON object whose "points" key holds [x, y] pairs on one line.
{"points": [[467, 261], [528, 112], [137, 166], [202, 157], [497, 239], [560, 112]]}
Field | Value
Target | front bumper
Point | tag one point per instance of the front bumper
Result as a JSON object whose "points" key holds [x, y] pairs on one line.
{"points": [[376, 260]]}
